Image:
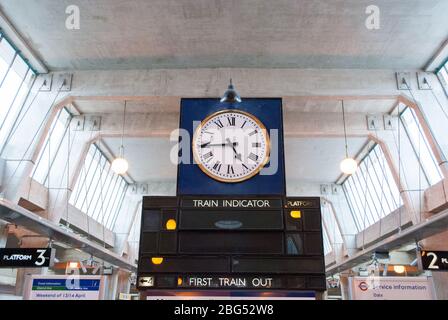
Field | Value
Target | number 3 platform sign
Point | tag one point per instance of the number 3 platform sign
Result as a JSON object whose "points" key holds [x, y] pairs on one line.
{"points": [[26, 258]]}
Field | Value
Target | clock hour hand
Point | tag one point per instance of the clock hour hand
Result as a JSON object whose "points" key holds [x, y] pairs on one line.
{"points": [[237, 155]]}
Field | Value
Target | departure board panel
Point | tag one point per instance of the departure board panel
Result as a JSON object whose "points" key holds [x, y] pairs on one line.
{"points": [[231, 243]]}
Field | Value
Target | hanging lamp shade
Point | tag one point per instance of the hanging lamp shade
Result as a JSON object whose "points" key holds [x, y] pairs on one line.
{"points": [[231, 96], [349, 166], [120, 165]]}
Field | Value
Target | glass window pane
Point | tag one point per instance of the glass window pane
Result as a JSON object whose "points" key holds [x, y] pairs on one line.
{"points": [[421, 146], [371, 192], [443, 76], [52, 144], [99, 189], [16, 79]]}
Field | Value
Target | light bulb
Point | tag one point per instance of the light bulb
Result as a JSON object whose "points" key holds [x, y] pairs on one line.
{"points": [[349, 166], [120, 166], [399, 269]]}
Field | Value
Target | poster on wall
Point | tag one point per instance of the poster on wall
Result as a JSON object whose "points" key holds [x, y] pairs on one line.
{"points": [[67, 287], [391, 288]]}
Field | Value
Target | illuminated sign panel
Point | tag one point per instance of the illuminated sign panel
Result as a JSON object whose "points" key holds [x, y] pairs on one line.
{"points": [[254, 244]]}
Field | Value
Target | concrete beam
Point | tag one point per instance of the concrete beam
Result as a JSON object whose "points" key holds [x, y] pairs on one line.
{"points": [[250, 82]]}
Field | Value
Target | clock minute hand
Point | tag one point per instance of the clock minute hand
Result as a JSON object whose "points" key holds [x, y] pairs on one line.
{"points": [[237, 155], [208, 144]]}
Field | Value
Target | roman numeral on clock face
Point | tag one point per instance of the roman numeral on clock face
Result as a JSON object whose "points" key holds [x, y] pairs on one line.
{"points": [[256, 144], [230, 169], [231, 121], [208, 156], [246, 167], [253, 157], [253, 132], [217, 166], [219, 124]]}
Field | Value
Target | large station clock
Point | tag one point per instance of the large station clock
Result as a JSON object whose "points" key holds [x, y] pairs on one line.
{"points": [[231, 146]]}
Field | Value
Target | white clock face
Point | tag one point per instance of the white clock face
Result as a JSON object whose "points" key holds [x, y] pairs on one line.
{"points": [[231, 146]]}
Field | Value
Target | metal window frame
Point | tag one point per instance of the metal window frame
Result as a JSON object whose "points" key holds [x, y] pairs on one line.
{"points": [[112, 192], [94, 197], [100, 190], [380, 183], [88, 182], [125, 190], [354, 200], [16, 49], [387, 173], [443, 68], [363, 200], [46, 144], [9, 109], [359, 207], [59, 144], [425, 142], [78, 185], [353, 183]]}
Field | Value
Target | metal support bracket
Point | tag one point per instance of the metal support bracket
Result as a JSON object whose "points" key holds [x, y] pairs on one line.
{"points": [[92, 123], [78, 123], [65, 79], [324, 189], [390, 122], [403, 80], [47, 82], [423, 80], [374, 122]]}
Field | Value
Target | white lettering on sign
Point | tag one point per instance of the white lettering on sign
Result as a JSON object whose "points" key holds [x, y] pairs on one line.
{"points": [[246, 203], [232, 203], [205, 203], [299, 203], [232, 282], [18, 257], [262, 282], [200, 282]]}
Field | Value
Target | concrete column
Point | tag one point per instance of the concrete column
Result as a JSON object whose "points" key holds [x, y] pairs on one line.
{"points": [[3, 234], [29, 241], [111, 286], [123, 284], [345, 286]]}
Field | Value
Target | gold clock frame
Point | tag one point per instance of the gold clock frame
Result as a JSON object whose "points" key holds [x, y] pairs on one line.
{"points": [[260, 166]]}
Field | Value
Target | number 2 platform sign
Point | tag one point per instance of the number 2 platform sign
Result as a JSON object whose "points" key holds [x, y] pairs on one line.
{"points": [[434, 260]]}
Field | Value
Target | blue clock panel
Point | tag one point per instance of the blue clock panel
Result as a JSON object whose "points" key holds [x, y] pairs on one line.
{"points": [[190, 178]]}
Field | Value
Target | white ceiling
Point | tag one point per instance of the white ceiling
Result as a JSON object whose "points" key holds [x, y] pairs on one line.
{"points": [[149, 158], [307, 159], [117, 34]]}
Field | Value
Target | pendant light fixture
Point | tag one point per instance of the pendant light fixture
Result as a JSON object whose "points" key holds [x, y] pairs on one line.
{"points": [[348, 165], [231, 96], [120, 165]]}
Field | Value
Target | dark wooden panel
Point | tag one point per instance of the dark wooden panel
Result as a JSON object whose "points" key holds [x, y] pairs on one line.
{"points": [[312, 220], [231, 242], [313, 243], [306, 265], [186, 264], [159, 202], [236, 219]]}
